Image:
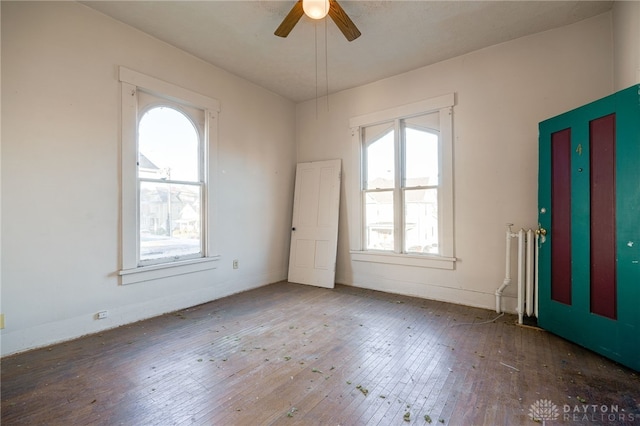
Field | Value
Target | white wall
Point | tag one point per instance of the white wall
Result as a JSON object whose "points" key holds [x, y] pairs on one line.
{"points": [[502, 93], [626, 38], [60, 175]]}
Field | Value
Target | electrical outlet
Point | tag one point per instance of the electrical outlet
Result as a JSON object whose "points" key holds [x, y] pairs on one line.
{"points": [[1, 321], [102, 314], [235, 264]]}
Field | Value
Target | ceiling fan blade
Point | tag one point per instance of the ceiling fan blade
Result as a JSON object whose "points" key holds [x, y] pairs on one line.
{"points": [[342, 20], [290, 20]]}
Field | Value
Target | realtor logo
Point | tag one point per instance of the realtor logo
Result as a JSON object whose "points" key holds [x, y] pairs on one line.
{"points": [[543, 410]]}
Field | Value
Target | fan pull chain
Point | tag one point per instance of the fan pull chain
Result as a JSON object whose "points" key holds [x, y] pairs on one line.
{"points": [[316, 51], [326, 66], [326, 61]]}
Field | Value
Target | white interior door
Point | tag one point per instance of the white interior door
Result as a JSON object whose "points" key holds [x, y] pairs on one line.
{"points": [[314, 232]]}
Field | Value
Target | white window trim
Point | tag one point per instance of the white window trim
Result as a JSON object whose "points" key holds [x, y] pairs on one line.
{"points": [[446, 260], [130, 271]]}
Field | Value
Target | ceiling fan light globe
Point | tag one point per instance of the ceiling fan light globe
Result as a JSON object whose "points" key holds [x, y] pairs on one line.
{"points": [[315, 9]]}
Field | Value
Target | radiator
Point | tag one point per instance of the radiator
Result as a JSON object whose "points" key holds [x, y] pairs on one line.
{"points": [[527, 270]]}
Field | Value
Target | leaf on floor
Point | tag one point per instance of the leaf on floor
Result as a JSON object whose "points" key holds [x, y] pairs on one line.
{"points": [[364, 390]]}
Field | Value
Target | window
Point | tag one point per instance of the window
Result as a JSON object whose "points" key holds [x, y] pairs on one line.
{"points": [[168, 137], [170, 184], [405, 211]]}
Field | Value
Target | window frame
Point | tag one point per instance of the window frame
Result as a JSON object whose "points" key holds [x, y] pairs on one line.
{"points": [[131, 270], [446, 258]]}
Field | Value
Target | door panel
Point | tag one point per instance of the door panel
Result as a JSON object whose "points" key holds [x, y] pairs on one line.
{"points": [[561, 216], [603, 216], [589, 200]]}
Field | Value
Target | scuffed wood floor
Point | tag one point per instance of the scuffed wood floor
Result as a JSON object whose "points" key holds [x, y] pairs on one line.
{"points": [[289, 354]]}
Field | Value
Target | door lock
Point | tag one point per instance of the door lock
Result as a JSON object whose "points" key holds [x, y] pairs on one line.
{"points": [[541, 233]]}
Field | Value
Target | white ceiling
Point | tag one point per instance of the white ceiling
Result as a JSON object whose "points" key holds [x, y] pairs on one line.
{"points": [[397, 36]]}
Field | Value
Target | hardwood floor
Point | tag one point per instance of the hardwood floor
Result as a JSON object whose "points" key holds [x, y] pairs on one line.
{"points": [[289, 354]]}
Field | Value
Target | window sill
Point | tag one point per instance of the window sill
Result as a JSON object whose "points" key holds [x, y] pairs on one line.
{"points": [[421, 261], [153, 272]]}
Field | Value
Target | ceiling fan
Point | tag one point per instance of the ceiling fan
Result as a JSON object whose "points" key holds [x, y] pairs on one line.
{"points": [[318, 9]]}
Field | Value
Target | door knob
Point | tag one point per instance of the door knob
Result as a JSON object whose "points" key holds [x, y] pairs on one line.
{"points": [[541, 231]]}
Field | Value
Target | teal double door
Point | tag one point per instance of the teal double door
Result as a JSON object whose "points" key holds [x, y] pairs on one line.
{"points": [[589, 211]]}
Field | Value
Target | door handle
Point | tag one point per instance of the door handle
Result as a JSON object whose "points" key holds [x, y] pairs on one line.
{"points": [[541, 231]]}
